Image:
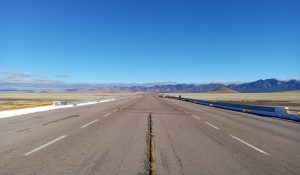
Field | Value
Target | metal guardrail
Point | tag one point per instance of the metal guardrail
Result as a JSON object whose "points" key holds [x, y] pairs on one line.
{"points": [[271, 111]]}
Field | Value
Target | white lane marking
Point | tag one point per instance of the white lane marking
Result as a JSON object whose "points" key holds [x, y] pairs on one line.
{"points": [[196, 117], [45, 145], [212, 125], [107, 114], [186, 112], [248, 144], [115, 110], [89, 123]]}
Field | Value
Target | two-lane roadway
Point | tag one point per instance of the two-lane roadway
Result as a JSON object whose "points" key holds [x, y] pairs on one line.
{"points": [[113, 138]]}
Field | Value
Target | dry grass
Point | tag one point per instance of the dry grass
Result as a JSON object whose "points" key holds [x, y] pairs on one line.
{"points": [[12, 100], [291, 98], [21, 106]]}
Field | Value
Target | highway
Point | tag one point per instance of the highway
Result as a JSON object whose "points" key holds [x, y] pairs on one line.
{"points": [[148, 135]]}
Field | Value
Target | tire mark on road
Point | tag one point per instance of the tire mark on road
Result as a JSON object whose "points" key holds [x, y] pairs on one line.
{"points": [[54, 121], [23, 130]]}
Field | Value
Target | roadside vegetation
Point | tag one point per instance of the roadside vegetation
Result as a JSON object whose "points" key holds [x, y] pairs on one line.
{"points": [[289, 98]]}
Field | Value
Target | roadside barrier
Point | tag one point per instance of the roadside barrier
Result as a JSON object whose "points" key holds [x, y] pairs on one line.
{"points": [[271, 111], [55, 105]]}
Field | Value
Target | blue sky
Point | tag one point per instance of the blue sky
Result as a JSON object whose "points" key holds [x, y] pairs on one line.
{"points": [[150, 41]]}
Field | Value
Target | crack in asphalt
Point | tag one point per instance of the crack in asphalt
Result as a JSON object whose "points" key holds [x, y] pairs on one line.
{"points": [[173, 149]]}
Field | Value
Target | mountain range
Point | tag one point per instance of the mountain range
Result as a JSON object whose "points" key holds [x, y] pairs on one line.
{"points": [[267, 85]]}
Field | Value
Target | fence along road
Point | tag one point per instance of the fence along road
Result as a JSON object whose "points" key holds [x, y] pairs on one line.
{"points": [[114, 138]]}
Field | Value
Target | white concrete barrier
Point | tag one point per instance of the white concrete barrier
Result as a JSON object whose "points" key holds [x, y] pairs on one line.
{"points": [[94, 102], [12, 113]]}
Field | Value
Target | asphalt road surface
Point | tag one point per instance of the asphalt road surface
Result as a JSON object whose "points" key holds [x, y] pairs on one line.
{"points": [[148, 135]]}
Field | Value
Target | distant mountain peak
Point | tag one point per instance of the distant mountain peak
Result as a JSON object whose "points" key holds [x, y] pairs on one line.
{"points": [[223, 90]]}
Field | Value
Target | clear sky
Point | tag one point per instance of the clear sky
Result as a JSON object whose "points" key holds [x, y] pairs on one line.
{"points": [[150, 41]]}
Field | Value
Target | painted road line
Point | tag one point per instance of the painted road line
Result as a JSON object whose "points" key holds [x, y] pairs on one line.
{"points": [[196, 117], [107, 114], [248, 144], [212, 125], [45, 145], [115, 110], [89, 123], [186, 112]]}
